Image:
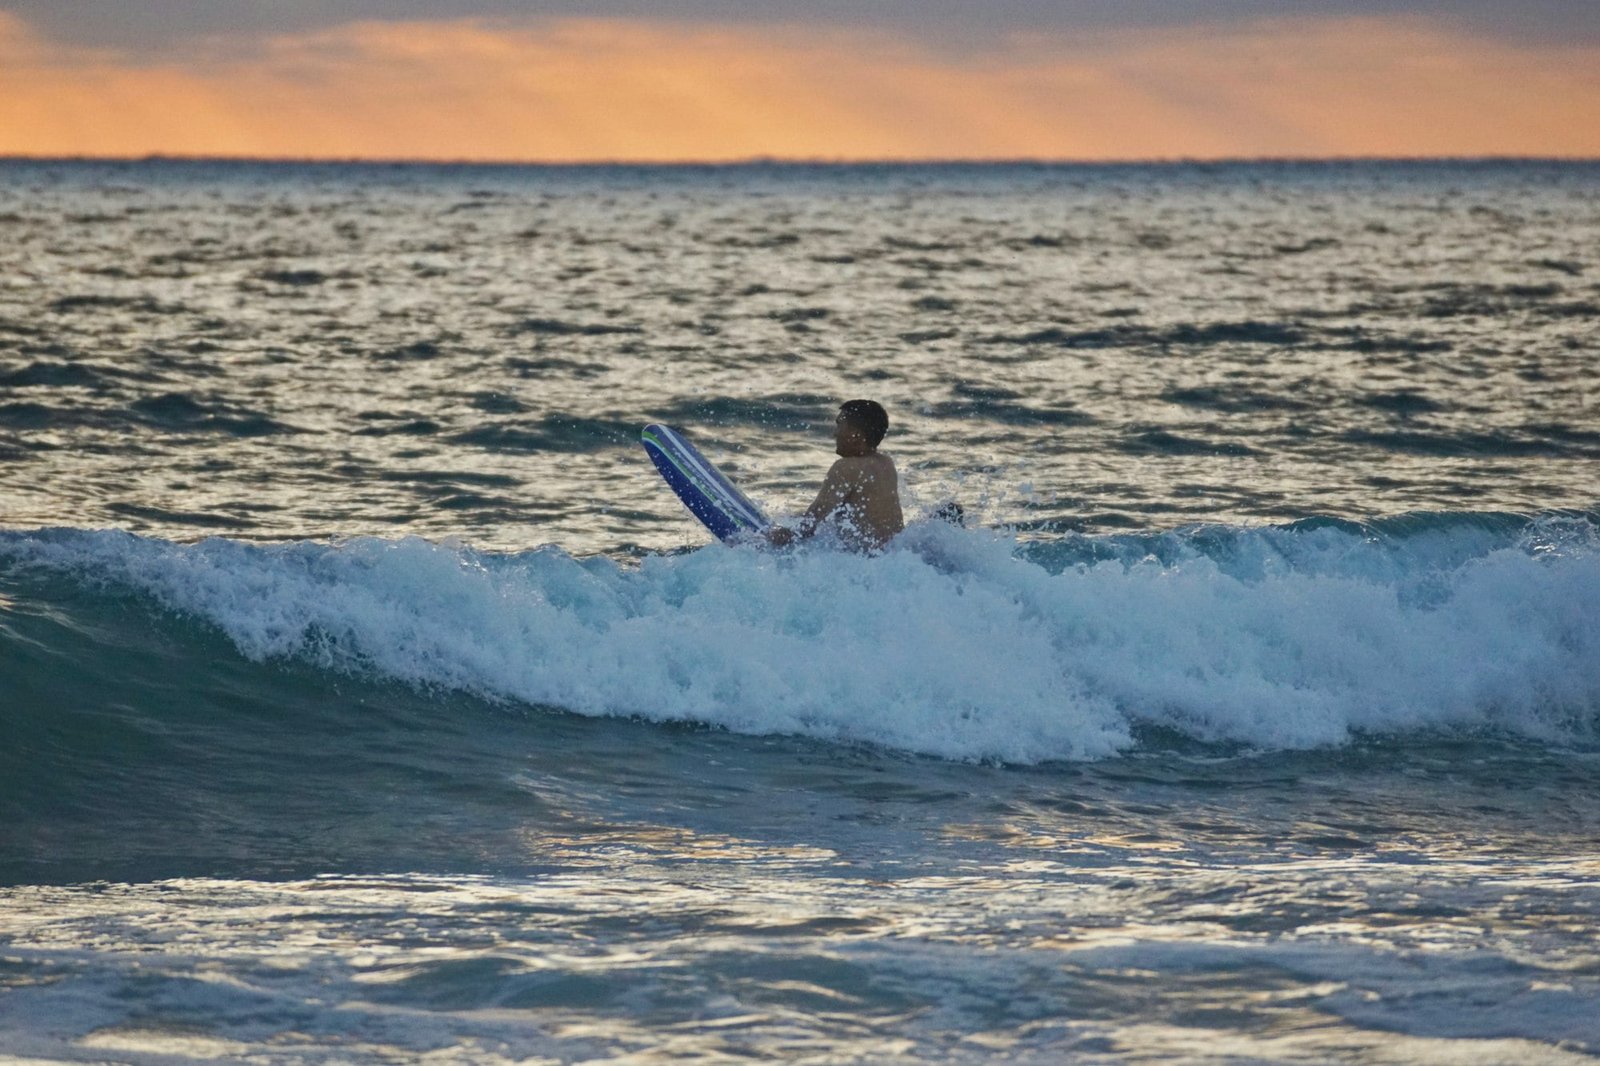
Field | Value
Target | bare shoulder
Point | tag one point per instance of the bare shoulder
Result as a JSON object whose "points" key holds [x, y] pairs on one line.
{"points": [[873, 467], [875, 461], [861, 468], [847, 467]]}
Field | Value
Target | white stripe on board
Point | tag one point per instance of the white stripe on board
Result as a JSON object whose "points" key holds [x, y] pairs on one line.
{"points": [[720, 490]]}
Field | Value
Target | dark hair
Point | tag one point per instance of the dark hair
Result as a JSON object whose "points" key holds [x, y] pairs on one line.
{"points": [[869, 415]]}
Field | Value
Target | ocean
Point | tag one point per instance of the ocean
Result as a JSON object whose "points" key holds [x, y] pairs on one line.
{"points": [[365, 697]]}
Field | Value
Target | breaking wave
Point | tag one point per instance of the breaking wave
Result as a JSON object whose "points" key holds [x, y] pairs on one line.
{"points": [[956, 643]]}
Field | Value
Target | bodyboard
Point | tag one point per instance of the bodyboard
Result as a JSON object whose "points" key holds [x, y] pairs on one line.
{"points": [[705, 490]]}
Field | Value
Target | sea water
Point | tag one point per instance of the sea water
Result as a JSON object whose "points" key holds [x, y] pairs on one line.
{"points": [[365, 696]]}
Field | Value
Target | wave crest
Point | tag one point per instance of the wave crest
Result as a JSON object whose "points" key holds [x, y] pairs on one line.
{"points": [[961, 644]]}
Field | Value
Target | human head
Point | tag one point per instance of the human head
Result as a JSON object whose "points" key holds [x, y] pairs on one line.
{"points": [[863, 421]]}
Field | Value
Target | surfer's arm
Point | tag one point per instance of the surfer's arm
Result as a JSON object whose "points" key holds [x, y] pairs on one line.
{"points": [[835, 492]]}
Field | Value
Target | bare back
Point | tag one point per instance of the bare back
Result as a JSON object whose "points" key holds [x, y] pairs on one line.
{"points": [[861, 498]]}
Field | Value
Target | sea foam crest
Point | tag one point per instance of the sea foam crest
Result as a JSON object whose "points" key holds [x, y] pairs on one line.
{"points": [[955, 643]]}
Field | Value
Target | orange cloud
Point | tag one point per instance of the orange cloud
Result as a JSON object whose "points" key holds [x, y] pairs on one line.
{"points": [[612, 89]]}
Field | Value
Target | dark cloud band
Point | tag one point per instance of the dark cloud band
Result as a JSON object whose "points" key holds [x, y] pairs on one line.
{"points": [[154, 25]]}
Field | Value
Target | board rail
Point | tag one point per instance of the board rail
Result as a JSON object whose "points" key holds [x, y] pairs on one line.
{"points": [[708, 494]]}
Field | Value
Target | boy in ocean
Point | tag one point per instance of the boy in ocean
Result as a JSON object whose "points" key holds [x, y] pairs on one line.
{"points": [[860, 498]]}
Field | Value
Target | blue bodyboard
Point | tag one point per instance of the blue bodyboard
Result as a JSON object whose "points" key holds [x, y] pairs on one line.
{"points": [[708, 494]]}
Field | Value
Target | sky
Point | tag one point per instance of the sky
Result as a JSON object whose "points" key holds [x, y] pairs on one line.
{"points": [[720, 80]]}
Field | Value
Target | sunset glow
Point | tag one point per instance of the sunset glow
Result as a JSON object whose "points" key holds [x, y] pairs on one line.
{"points": [[588, 90]]}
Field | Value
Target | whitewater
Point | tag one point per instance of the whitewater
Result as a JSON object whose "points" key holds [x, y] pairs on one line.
{"points": [[954, 643], [366, 697]]}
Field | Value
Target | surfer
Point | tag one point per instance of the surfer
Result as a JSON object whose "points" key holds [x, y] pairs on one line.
{"points": [[860, 498]]}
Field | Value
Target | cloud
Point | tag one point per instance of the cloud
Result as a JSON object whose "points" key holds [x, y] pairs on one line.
{"points": [[598, 89], [153, 26]]}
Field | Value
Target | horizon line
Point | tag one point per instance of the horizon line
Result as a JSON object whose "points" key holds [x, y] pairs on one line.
{"points": [[789, 161]]}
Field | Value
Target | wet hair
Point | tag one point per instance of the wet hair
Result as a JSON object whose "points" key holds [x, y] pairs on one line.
{"points": [[869, 416]]}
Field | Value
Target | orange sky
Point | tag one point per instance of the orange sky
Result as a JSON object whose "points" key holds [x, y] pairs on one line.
{"points": [[572, 90]]}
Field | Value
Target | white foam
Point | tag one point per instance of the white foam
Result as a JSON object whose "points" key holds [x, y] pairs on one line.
{"points": [[950, 645]]}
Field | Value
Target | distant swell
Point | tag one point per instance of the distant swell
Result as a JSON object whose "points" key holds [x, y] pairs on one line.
{"points": [[961, 644]]}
